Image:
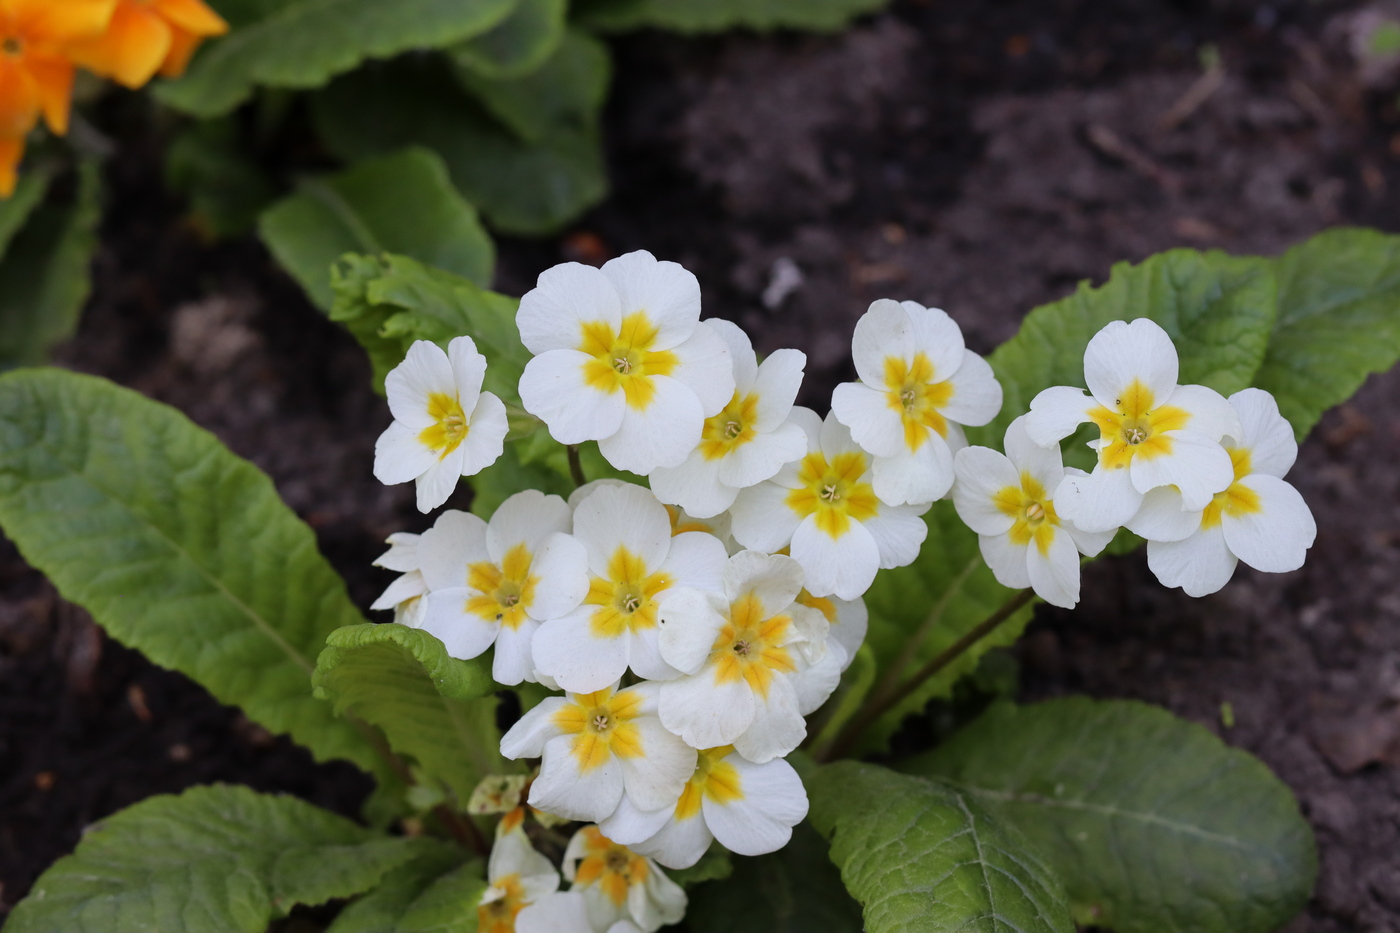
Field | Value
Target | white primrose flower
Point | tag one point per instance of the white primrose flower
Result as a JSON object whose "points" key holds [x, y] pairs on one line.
{"points": [[619, 885], [681, 520], [748, 441], [918, 385], [560, 912], [632, 559], [1259, 519], [495, 582], [516, 874], [444, 425], [1153, 432], [622, 358], [597, 745], [751, 809], [1009, 500], [405, 594], [743, 651], [824, 510]]}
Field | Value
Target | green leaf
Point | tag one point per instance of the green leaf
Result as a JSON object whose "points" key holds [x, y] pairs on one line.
{"points": [[218, 859], [434, 710], [715, 865], [379, 910], [1338, 321], [793, 890], [305, 43], [922, 857], [521, 188], [389, 301], [177, 547], [44, 276], [565, 95], [1153, 824], [401, 203], [15, 210], [521, 43], [720, 15], [449, 904], [209, 164], [1218, 309]]}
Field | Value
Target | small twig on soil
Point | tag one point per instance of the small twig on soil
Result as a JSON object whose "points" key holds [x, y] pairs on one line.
{"points": [[1115, 147], [576, 467], [1200, 91]]}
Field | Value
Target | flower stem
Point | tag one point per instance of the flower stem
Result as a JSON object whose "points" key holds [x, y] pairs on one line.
{"points": [[576, 467], [880, 704]]}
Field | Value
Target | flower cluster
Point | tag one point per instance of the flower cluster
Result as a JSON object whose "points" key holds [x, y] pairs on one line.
{"points": [[43, 42], [692, 626]]}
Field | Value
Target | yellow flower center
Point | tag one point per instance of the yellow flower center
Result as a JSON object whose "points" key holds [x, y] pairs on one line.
{"points": [[498, 914], [833, 491], [1136, 429], [601, 724], [449, 426], [714, 778], [623, 359], [750, 646], [626, 598], [1034, 514], [613, 867], [912, 391], [505, 592], [680, 526], [1238, 499], [731, 428]]}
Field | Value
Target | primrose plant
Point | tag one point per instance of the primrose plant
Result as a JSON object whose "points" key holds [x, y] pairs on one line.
{"points": [[617, 693]]}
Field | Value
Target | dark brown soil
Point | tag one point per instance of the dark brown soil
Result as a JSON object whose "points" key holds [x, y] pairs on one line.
{"points": [[979, 157]]}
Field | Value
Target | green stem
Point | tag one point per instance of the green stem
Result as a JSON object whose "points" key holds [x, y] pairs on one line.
{"points": [[911, 650], [576, 467]]}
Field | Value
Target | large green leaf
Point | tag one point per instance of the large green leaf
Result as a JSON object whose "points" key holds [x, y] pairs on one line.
{"points": [[448, 905], [522, 188], [44, 276], [15, 210], [922, 857], [401, 203], [1338, 321], [305, 43], [719, 15], [379, 910], [1153, 824], [177, 547], [219, 859], [437, 712], [524, 41]]}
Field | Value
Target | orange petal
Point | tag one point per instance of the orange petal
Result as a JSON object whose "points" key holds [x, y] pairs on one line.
{"points": [[192, 16], [54, 23], [19, 98], [54, 79], [11, 152], [132, 48], [182, 48]]}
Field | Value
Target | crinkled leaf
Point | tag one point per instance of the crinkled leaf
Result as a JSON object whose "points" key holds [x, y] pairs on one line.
{"points": [[44, 275], [305, 43], [521, 188], [449, 904], [15, 210], [922, 857], [719, 15], [437, 712], [177, 547], [793, 890], [220, 858], [379, 910], [565, 95], [522, 42], [1338, 321], [1153, 823], [401, 203]]}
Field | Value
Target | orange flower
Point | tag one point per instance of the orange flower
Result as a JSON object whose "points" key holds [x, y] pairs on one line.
{"points": [[36, 75], [147, 36]]}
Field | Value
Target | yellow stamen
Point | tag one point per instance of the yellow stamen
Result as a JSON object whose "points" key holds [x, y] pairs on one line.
{"points": [[834, 492], [1035, 518], [624, 359], [731, 428], [449, 426], [750, 646], [602, 725], [614, 868], [626, 598], [1136, 429], [913, 393]]}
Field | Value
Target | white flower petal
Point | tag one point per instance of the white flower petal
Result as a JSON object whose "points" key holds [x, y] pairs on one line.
{"points": [[1200, 564], [526, 518], [850, 625], [1055, 573], [644, 656], [811, 424], [655, 778], [883, 331], [707, 714], [666, 291], [777, 727], [424, 371], [1007, 560], [762, 519], [815, 683], [1211, 413], [455, 540], [741, 354], [1197, 466], [486, 435], [761, 458], [876, 426], [661, 435], [512, 854], [1097, 501], [1276, 538], [1044, 464], [1268, 435], [567, 651], [527, 738], [560, 912], [1162, 517], [774, 579], [1089, 543], [563, 789], [584, 491], [437, 484], [1122, 353], [691, 620], [402, 554], [622, 516], [465, 635], [561, 563], [937, 336], [693, 485], [552, 314], [657, 902], [1056, 413], [629, 825], [679, 843], [977, 395], [513, 661], [399, 456], [760, 821], [706, 369], [914, 477], [843, 567], [407, 586], [899, 532], [778, 381], [982, 473], [468, 370], [553, 389], [696, 559]]}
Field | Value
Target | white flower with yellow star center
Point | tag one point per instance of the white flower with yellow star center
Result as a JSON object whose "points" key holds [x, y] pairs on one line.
{"points": [[619, 885], [405, 594], [494, 583], [741, 650], [622, 358], [748, 441], [1153, 432], [1009, 500], [749, 808], [1258, 519], [596, 746], [918, 385], [444, 425], [824, 509], [516, 876], [632, 559]]}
